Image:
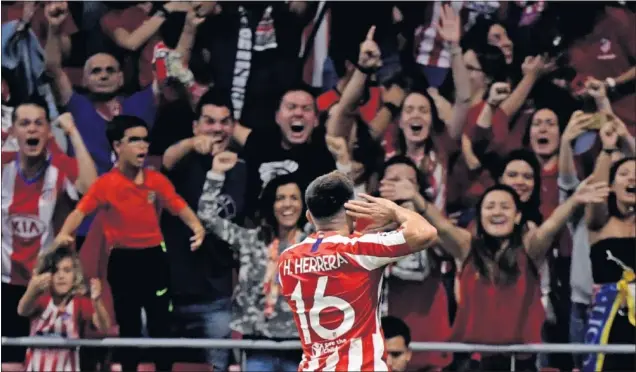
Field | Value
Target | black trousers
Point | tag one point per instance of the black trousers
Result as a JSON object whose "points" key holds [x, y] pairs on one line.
{"points": [[13, 325], [139, 279]]}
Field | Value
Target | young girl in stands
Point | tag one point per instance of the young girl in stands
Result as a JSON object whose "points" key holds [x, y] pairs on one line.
{"points": [[259, 312], [59, 306], [497, 288]]}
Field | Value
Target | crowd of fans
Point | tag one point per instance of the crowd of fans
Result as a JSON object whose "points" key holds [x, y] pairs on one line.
{"points": [[508, 125]]}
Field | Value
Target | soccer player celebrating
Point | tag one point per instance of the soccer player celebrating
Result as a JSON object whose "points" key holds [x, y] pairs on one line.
{"points": [[332, 279], [137, 267]]}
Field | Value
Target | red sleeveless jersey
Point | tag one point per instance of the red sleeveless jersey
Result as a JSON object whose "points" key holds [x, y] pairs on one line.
{"points": [[498, 314]]}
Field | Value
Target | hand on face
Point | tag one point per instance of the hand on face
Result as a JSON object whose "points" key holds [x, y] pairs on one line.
{"points": [[402, 189]]}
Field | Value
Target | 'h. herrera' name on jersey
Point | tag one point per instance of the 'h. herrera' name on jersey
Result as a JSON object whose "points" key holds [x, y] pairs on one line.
{"points": [[333, 285]]}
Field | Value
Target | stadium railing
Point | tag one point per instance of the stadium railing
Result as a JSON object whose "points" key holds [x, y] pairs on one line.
{"points": [[295, 345]]}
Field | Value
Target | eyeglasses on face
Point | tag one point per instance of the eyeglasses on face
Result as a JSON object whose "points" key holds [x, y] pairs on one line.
{"points": [[133, 140]]}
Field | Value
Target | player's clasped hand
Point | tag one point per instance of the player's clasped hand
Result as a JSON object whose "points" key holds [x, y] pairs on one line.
{"points": [[380, 211]]}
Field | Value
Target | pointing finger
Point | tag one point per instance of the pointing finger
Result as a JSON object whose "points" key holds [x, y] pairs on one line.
{"points": [[371, 33]]}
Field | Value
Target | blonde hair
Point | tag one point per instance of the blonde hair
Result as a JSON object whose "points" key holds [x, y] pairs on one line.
{"points": [[48, 263]]}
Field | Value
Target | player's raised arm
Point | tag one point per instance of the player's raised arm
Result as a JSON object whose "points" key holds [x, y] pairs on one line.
{"points": [[418, 233]]}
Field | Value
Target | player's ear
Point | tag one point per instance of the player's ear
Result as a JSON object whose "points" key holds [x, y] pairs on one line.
{"points": [[310, 219]]}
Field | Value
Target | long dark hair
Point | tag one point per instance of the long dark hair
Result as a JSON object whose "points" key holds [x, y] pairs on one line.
{"points": [[437, 128], [477, 37], [612, 206], [269, 224], [485, 246]]}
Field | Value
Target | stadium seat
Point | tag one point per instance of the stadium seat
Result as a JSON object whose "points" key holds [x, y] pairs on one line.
{"points": [[191, 367], [13, 367]]}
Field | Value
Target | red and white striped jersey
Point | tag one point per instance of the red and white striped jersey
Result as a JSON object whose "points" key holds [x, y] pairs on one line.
{"points": [[333, 285], [49, 320], [27, 212]]}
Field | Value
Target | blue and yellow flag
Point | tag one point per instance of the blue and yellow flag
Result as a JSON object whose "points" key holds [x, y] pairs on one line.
{"points": [[609, 299]]}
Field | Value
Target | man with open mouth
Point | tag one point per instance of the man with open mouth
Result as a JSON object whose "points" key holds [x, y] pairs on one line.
{"points": [[296, 146], [34, 179]]}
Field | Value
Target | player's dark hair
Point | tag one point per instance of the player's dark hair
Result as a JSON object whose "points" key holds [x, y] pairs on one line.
{"points": [[32, 101], [394, 327], [116, 128], [215, 97], [326, 195]]}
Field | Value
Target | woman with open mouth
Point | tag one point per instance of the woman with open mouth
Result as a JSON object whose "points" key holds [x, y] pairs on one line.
{"points": [[500, 263], [612, 233], [259, 312]]}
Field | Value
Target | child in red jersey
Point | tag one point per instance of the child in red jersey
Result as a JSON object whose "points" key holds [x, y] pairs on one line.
{"points": [[138, 273], [56, 303]]}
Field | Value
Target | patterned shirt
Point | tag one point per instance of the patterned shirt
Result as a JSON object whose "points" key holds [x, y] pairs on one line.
{"points": [[248, 303]]}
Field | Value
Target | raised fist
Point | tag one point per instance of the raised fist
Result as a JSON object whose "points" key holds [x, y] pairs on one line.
{"points": [[224, 161], [56, 12]]}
